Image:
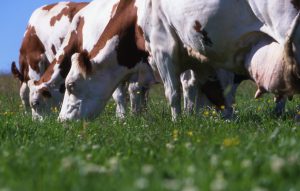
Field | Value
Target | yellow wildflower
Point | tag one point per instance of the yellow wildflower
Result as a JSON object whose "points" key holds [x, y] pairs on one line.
{"points": [[214, 113], [206, 113], [175, 135], [54, 109], [230, 142], [190, 133]]}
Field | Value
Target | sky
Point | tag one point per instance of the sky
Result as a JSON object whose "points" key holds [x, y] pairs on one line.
{"points": [[14, 16]]}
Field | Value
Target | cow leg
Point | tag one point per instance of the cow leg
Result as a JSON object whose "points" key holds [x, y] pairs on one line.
{"points": [[171, 80], [137, 97], [120, 98], [229, 85], [24, 94], [190, 90], [201, 101], [280, 105]]}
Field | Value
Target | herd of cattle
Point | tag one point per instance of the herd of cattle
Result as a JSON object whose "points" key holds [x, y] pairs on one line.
{"points": [[78, 55]]}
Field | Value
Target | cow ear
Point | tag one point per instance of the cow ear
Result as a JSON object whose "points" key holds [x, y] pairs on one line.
{"points": [[16, 73], [45, 92], [84, 62]]}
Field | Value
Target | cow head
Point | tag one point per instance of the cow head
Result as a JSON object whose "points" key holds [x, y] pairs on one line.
{"points": [[87, 89], [42, 99]]}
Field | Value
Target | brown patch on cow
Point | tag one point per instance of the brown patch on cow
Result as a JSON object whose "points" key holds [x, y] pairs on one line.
{"points": [[53, 49], [64, 60], [30, 52], [296, 4], [123, 25], [85, 63], [113, 11], [197, 26], [45, 92], [69, 11], [214, 92], [207, 41], [139, 38], [49, 7]]}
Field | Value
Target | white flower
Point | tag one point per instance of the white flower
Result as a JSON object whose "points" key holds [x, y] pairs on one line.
{"points": [[259, 189], [141, 183], [113, 163], [191, 169], [219, 183], [246, 163], [147, 169], [94, 147], [172, 184], [214, 160], [277, 164], [190, 188], [170, 146], [90, 168]]}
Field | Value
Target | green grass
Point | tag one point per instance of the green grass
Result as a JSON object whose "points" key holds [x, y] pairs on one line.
{"points": [[256, 151]]}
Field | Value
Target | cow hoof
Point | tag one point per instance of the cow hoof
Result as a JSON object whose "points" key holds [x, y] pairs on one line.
{"points": [[297, 118]]}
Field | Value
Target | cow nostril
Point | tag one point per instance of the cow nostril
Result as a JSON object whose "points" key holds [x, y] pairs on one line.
{"points": [[36, 103]]}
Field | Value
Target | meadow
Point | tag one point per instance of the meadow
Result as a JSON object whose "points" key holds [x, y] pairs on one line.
{"points": [[256, 151]]}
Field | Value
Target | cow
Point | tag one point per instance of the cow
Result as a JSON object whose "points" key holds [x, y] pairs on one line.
{"points": [[45, 32], [79, 38], [47, 28], [117, 52], [217, 34]]}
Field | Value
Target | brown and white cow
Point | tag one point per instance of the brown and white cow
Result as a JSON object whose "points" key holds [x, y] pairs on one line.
{"points": [[118, 51], [84, 32], [47, 27]]}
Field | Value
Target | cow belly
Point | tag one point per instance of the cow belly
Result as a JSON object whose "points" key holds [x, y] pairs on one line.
{"points": [[207, 26]]}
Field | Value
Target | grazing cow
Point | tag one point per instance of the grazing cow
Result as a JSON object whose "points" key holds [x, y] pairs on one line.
{"points": [[219, 35], [116, 53], [45, 32], [41, 99], [83, 35]]}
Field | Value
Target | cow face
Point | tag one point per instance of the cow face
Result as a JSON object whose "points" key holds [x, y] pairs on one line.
{"points": [[42, 99], [88, 91]]}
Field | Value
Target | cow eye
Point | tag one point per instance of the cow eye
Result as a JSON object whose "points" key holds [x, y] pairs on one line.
{"points": [[70, 87], [46, 94]]}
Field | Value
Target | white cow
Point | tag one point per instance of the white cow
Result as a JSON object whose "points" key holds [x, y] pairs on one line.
{"points": [[218, 34]]}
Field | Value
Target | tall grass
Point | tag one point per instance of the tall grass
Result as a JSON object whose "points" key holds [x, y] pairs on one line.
{"points": [[254, 151]]}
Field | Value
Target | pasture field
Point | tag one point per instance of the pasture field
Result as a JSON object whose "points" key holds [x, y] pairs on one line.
{"points": [[255, 151]]}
